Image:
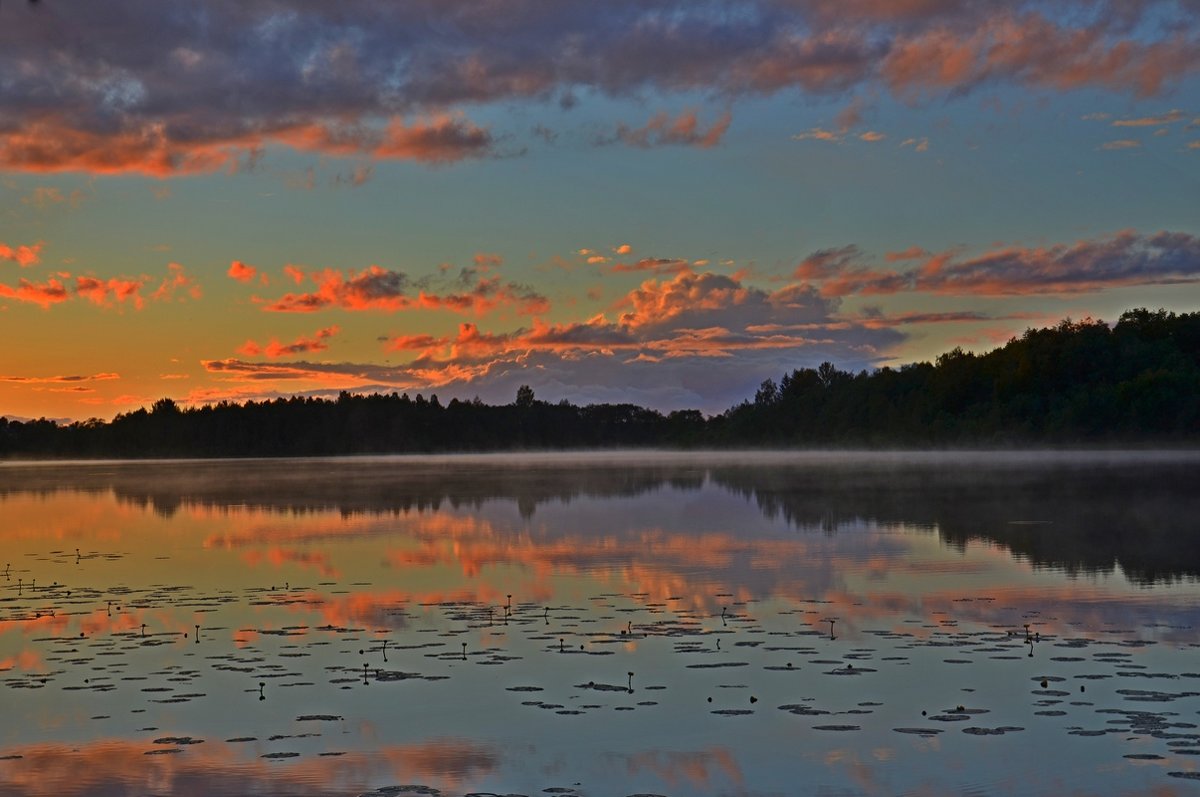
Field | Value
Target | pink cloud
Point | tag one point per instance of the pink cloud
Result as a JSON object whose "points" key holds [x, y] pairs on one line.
{"points": [[683, 130], [911, 253], [443, 139], [825, 263], [1170, 117], [818, 134], [1030, 48], [440, 139], [1126, 258], [487, 260]]}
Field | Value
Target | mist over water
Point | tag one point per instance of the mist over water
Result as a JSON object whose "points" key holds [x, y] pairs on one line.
{"points": [[607, 623]]}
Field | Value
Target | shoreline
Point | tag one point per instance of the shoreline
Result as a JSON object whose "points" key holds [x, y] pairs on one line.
{"points": [[652, 456]]}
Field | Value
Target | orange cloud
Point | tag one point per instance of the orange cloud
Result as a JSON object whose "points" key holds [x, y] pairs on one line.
{"points": [[104, 292], [23, 256], [294, 274], [242, 272], [443, 138], [373, 288], [44, 294], [691, 315], [53, 142], [487, 295], [656, 302], [177, 280], [59, 379], [656, 265], [377, 288], [302, 345], [487, 260]]}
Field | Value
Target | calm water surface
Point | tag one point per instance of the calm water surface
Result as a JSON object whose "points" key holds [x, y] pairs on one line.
{"points": [[603, 625]]}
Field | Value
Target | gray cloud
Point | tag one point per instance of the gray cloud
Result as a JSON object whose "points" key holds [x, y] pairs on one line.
{"points": [[1126, 258], [165, 87]]}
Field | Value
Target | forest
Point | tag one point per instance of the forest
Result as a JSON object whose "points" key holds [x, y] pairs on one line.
{"points": [[1078, 383]]}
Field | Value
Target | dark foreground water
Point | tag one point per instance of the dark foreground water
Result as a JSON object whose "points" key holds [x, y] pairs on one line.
{"points": [[603, 625]]}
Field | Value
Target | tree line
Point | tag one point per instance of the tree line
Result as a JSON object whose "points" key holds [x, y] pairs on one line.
{"points": [[1079, 382]]}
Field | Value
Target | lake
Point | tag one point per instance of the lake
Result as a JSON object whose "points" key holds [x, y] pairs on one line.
{"points": [[603, 624]]}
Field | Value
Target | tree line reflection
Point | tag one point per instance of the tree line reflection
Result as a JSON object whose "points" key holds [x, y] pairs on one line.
{"points": [[1069, 515]]}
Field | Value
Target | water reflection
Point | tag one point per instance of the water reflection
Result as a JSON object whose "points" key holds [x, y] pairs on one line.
{"points": [[1082, 514], [126, 766], [669, 625]]}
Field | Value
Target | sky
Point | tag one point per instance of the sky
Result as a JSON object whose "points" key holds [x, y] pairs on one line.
{"points": [[638, 201]]}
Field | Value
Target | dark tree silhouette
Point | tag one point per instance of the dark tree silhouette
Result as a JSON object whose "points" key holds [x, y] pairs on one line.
{"points": [[1078, 382]]}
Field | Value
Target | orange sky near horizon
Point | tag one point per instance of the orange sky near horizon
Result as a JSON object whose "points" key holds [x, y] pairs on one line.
{"points": [[661, 203]]}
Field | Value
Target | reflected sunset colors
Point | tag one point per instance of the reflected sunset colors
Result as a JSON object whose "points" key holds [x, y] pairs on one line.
{"points": [[606, 624]]}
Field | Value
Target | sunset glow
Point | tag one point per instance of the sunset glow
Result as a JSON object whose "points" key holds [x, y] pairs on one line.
{"points": [[661, 203]]}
